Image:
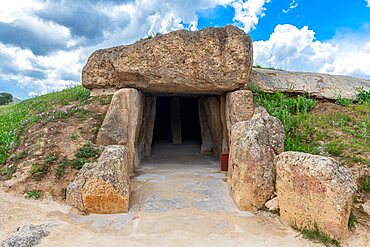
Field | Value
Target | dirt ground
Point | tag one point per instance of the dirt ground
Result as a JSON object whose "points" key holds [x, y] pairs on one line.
{"points": [[179, 198]]}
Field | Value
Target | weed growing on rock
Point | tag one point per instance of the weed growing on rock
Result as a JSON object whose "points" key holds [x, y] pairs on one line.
{"points": [[316, 235], [33, 194], [365, 183], [352, 221]]}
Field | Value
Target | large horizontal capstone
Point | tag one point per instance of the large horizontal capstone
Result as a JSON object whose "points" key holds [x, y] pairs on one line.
{"points": [[212, 60]]}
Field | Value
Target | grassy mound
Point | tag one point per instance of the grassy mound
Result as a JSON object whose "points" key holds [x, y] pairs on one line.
{"points": [[45, 140], [15, 118]]}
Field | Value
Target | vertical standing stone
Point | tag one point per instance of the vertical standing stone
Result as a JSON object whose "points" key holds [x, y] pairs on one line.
{"points": [[146, 132], [253, 145], [239, 107], [212, 110], [122, 123], [175, 120], [225, 134], [151, 103], [205, 131]]}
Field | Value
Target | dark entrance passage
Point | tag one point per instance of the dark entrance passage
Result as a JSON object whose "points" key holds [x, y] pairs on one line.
{"points": [[177, 120]]}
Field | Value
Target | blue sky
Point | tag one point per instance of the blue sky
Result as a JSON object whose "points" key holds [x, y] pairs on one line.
{"points": [[44, 44]]}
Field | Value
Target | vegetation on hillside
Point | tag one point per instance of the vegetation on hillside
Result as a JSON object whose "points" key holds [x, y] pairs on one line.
{"points": [[14, 119], [45, 140], [322, 127]]}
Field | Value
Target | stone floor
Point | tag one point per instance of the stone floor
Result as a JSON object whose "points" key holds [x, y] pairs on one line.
{"points": [[179, 199]]}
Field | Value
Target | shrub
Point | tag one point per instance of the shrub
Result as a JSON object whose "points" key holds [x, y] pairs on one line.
{"points": [[363, 96], [5, 98], [78, 163]]}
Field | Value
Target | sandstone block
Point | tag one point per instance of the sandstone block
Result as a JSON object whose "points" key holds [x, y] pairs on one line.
{"points": [[239, 107], [251, 175], [212, 60], [122, 123], [103, 187], [314, 190], [212, 111]]}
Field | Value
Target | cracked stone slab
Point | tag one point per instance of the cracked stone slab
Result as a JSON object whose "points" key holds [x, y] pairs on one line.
{"points": [[215, 196], [154, 204], [155, 178], [116, 221], [27, 235]]}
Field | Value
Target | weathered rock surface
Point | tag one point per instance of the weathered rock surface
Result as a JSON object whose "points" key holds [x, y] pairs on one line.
{"points": [[253, 146], [27, 236], [103, 187], [147, 126], [225, 132], [212, 60], [122, 123], [311, 190], [239, 107], [205, 131], [272, 205], [315, 84], [212, 110], [175, 120]]}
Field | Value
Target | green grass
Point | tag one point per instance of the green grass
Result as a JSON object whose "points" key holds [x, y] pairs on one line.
{"points": [[318, 236], [343, 102], [292, 112], [335, 148], [61, 168], [352, 221], [83, 154], [341, 133], [15, 118], [257, 66], [33, 194]]}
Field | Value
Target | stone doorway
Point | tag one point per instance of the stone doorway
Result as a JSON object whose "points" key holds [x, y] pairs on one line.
{"points": [[177, 121]]}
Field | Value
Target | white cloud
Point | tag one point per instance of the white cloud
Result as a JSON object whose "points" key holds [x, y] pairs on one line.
{"points": [[290, 48], [294, 4], [368, 3], [248, 13], [56, 41], [12, 10]]}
